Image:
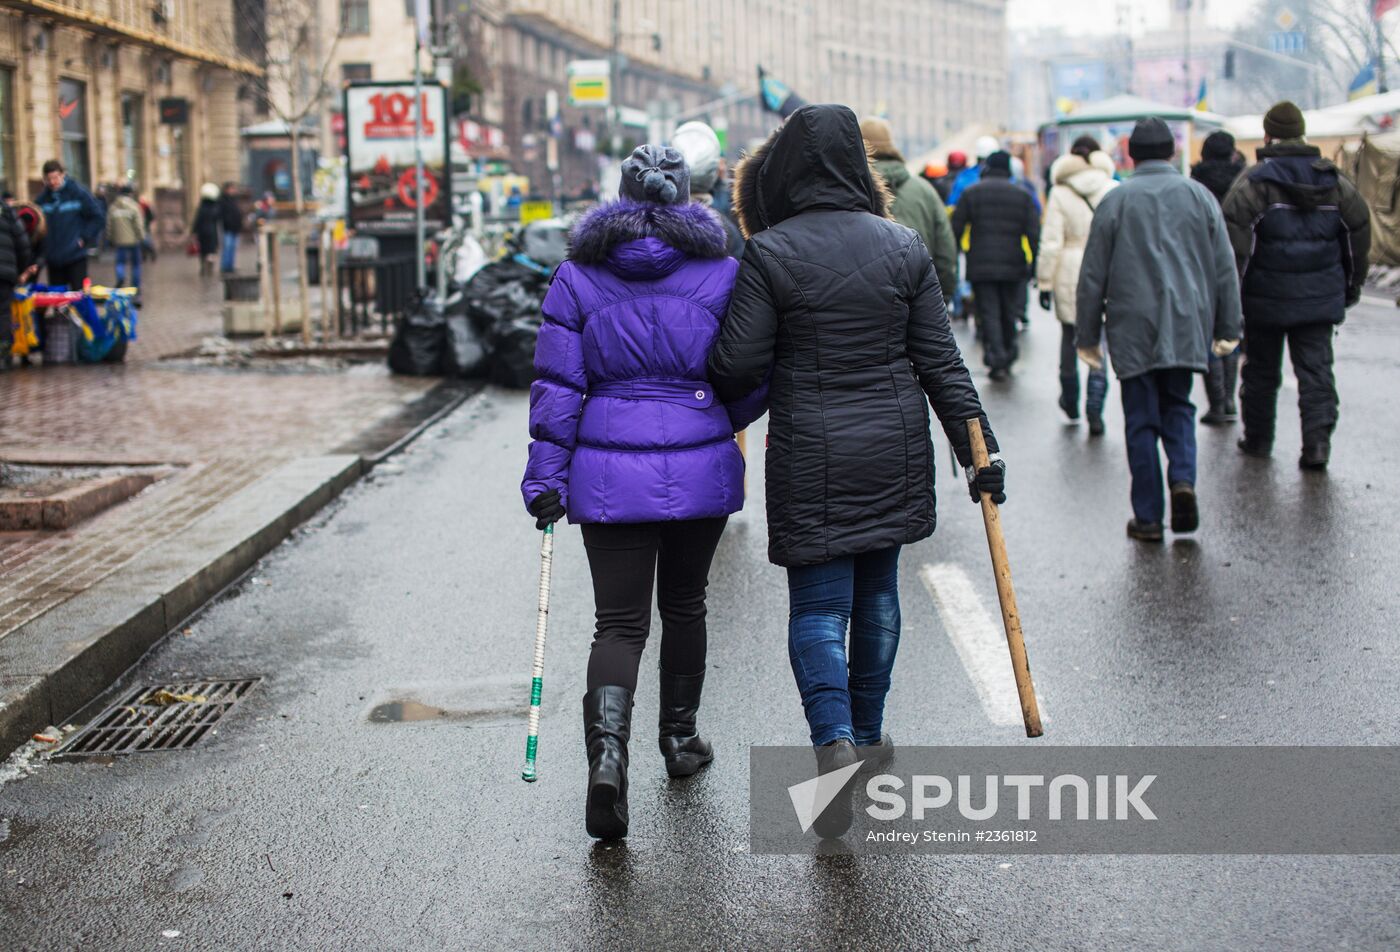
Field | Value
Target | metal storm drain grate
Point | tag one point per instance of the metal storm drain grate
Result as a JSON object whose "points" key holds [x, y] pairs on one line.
{"points": [[163, 717]]}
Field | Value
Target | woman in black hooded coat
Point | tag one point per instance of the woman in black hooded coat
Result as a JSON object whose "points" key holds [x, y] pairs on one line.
{"points": [[842, 307]]}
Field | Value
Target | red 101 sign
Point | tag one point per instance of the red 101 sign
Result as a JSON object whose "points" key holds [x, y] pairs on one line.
{"points": [[393, 117]]}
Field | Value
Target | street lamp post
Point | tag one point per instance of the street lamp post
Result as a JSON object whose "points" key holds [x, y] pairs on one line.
{"points": [[420, 228]]}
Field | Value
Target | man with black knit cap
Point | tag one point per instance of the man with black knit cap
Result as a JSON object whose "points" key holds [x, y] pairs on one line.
{"points": [[1159, 277], [1301, 234]]}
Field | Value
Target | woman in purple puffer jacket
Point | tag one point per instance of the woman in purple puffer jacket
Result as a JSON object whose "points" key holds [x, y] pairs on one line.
{"points": [[631, 443]]}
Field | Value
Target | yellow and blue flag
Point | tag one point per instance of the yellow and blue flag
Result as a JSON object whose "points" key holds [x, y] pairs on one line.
{"points": [[1365, 83]]}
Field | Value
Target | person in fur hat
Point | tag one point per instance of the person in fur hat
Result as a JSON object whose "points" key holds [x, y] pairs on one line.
{"points": [[631, 443], [842, 309]]}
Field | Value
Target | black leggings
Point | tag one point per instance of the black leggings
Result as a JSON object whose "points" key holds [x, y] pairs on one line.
{"points": [[71, 274], [625, 560]]}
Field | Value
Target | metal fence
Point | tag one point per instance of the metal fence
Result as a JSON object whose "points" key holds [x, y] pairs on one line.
{"points": [[372, 289]]}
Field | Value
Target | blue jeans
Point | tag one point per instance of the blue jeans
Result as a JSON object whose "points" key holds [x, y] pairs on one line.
{"points": [[129, 259], [1069, 375], [844, 698], [228, 252], [1157, 408]]}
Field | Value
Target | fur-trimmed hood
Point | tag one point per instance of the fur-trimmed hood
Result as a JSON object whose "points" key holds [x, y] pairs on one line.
{"points": [[817, 159], [678, 232], [1088, 176]]}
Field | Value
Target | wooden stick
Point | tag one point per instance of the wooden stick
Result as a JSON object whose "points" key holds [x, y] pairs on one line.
{"points": [[1006, 594]]}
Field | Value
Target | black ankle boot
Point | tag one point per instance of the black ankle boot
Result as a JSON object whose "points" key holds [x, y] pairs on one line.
{"points": [[607, 724], [835, 820], [1317, 450], [1215, 393], [684, 749], [1231, 366]]}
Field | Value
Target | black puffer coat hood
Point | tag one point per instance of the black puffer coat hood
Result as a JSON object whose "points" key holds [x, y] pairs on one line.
{"points": [[843, 310], [1217, 175], [15, 253], [1302, 233], [808, 163]]}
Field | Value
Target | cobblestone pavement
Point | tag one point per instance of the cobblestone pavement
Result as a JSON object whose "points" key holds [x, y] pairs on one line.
{"points": [[225, 427]]}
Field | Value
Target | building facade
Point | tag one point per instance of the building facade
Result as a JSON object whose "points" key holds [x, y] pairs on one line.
{"points": [[122, 91], [931, 66]]}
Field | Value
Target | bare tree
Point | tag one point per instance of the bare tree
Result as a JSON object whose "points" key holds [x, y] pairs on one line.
{"points": [[294, 85], [1340, 37]]}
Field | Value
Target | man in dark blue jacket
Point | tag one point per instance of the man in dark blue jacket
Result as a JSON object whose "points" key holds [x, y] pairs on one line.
{"points": [[75, 222], [1302, 237], [997, 222]]}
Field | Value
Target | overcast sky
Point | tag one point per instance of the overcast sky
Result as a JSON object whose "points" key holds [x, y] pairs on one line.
{"points": [[1101, 16]]}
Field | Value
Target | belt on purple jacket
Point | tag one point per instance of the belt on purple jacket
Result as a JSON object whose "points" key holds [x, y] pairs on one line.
{"points": [[686, 393]]}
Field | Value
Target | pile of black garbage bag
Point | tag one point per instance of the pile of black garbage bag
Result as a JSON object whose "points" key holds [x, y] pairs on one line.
{"points": [[489, 328]]}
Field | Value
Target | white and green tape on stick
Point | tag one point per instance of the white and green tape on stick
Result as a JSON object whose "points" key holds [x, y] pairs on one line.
{"points": [[532, 739]]}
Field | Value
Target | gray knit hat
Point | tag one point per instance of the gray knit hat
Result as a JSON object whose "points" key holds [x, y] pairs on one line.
{"points": [[655, 173]]}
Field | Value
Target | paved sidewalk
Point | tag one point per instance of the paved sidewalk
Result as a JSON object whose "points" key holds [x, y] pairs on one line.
{"points": [[224, 427]]}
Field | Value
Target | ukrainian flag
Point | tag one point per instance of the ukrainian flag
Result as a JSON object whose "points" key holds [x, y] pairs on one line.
{"points": [[1201, 104], [1365, 83]]}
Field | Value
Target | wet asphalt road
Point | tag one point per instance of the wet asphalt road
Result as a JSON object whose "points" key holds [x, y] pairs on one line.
{"points": [[309, 823]]}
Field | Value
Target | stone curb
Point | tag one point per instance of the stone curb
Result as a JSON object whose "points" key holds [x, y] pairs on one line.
{"points": [[54, 665]]}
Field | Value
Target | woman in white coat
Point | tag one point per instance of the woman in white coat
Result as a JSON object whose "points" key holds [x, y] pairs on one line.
{"points": [[1080, 180]]}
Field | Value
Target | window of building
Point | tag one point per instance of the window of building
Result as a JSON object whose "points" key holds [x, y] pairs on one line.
{"points": [[72, 124], [8, 181], [133, 169], [354, 17], [356, 72]]}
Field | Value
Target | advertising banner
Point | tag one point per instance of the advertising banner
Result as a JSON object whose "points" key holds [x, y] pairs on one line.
{"points": [[379, 130]]}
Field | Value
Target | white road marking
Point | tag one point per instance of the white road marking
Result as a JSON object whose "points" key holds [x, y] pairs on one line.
{"points": [[979, 641]]}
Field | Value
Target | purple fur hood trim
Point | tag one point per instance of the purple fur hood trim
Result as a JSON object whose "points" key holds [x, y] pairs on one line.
{"points": [[692, 229]]}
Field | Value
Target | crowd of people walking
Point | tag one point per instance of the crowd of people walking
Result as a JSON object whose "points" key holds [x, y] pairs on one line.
{"points": [[666, 333]]}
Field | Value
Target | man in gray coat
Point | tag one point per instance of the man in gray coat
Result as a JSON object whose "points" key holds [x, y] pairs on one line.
{"points": [[1159, 267]]}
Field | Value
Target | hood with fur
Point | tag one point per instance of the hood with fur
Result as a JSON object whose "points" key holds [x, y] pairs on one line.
{"points": [[690, 230], [816, 159], [1086, 176]]}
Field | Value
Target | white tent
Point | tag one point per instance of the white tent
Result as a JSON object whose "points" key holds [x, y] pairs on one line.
{"points": [[1339, 121]]}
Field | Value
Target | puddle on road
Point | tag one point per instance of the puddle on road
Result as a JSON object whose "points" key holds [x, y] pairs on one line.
{"points": [[481, 702], [395, 712]]}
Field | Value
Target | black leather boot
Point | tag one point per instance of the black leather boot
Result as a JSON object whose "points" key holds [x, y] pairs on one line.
{"points": [[1231, 367], [607, 724], [1215, 393], [684, 749], [1317, 450], [835, 820]]}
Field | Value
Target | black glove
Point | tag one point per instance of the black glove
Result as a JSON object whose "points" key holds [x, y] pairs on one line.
{"points": [[990, 480], [546, 508], [1353, 296], [1045, 300]]}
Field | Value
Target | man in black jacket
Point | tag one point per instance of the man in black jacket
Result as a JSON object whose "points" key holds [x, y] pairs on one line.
{"points": [[1302, 237], [999, 226], [14, 262]]}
